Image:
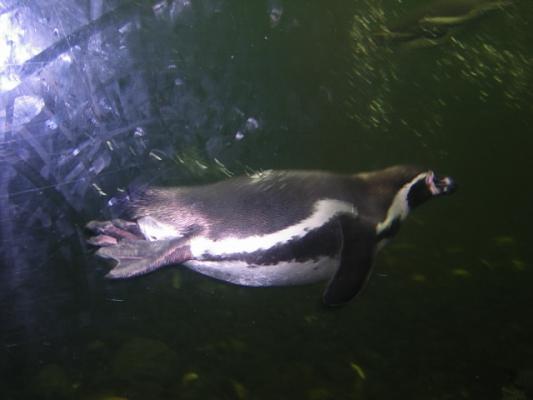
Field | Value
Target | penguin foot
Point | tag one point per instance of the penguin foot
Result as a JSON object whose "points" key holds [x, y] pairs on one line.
{"points": [[102, 241], [109, 233], [141, 257]]}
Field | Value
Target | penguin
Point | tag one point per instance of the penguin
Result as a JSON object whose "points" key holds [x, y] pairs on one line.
{"points": [[273, 228], [434, 22]]}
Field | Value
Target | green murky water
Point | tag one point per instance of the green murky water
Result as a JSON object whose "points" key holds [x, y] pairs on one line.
{"points": [[447, 312]]}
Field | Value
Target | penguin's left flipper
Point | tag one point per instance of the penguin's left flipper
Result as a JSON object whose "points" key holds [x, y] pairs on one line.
{"points": [[141, 257], [356, 260]]}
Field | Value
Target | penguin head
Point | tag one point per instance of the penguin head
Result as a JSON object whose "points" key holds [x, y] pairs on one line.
{"points": [[426, 185], [404, 187], [400, 188]]}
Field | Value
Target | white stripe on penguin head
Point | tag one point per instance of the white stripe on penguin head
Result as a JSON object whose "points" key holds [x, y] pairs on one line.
{"points": [[399, 208]]}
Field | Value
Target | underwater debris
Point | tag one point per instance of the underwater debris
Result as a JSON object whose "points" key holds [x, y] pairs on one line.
{"points": [[512, 393], [518, 264], [419, 278], [461, 272], [504, 240], [310, 318], [359, 371], [189, 377], [240, 390]]}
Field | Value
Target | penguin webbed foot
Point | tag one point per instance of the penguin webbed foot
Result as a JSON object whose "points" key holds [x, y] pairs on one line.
{"points": [[109, 233], [129, 259], [136, 258], [102, 241]]}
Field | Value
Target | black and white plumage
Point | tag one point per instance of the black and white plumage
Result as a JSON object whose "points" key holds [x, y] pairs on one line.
{"points": [[270, 229]]}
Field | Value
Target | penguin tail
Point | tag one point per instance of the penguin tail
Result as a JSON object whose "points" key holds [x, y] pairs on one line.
{"points": [[134, 258]]}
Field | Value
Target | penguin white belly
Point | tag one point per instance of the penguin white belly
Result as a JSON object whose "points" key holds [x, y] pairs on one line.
{"points": [[283, 273]]}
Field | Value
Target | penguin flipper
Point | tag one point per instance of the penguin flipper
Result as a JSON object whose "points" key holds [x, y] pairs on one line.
{"points": [[356, 260], [141, 257]]}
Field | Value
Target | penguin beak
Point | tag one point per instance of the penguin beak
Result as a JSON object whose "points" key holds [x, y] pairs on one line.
{"points": [[440, 185]]}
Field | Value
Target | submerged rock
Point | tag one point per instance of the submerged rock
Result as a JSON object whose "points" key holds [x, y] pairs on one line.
{"points": [[145, 359], [524, 380], [51, 382]]}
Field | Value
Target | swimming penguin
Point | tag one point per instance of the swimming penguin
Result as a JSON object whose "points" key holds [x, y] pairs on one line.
{"points": [[273, 228], [434, 22]]}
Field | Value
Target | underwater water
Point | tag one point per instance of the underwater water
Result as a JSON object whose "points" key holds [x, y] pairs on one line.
{"points": [[95, 96]]}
